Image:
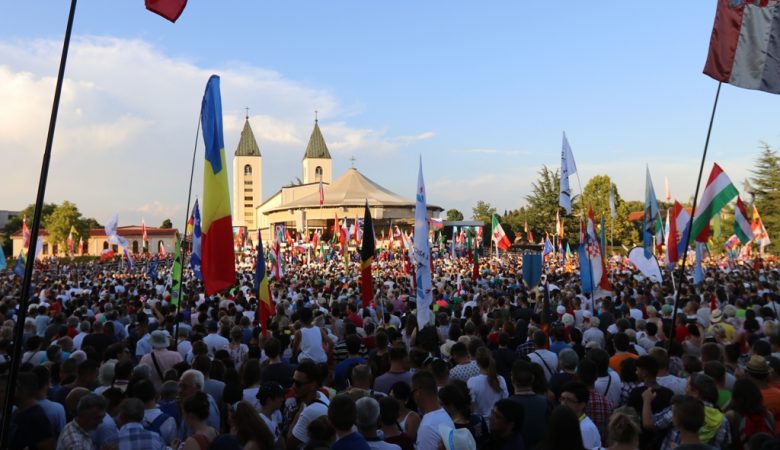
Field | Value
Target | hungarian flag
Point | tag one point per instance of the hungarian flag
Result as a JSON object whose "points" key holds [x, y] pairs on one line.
{"points": [[742, 225], [367, 252], [169, 9], [217, 263], [499, 237], [262, 287], [718, 193], [162, 251], [745, 45]]}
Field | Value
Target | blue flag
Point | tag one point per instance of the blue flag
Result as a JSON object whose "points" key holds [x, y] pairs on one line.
{"points": [[195, 258], [532, 269], [19, 267], [586, 277], [548, 247], [698, 271], [151, 272], [3, 262]]}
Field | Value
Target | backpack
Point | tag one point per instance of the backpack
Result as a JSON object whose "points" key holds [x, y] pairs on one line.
{"points": [[156, 423], [747, 426]]}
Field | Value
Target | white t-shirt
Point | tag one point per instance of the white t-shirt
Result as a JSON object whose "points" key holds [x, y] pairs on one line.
{"points": [[428, 434], [312, 411], [590, 434], [483, 397], [547, 359], [215, 342], [250, 395], [609, 386], [273, 423], [381, 445]]}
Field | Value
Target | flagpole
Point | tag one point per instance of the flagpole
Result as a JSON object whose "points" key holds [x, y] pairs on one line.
{"points": [[693, 212], [184, 238], [36, 223]]}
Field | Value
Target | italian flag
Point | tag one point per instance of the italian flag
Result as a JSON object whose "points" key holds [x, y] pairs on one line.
{"points": [[742, 225], [499, 237], [718, 193]]}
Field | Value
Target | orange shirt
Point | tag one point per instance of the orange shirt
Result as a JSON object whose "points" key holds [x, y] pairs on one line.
{"points": [[614, 361], [772, 403]]}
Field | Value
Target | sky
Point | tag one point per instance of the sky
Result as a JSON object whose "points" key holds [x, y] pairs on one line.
{"points": [[482, 91]]}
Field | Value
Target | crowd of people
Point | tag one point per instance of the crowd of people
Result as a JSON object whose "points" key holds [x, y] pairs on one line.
{"points": [[109, 363]]}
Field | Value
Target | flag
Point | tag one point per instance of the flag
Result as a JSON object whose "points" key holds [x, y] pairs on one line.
{"points": [[612, 211], [217, 258], [759, 232], [698, 272], [345, 244], [718, 193], [568, 167], [169, 9], [528, 233], [25, 233], [70, 240], [151, 271], [672, 255], [436, 224], [322, 193], [745, 44], [558, 225], [603, 238], [652, 216], [742, 226], [262, 287], [732, 242], [145, 237], [161, 250], [715, 225], [422, 254], [548, 247], [129, 259], [21, 261], [3, 262], [591, 263], [668, 195], [367, 252], [197, 237], [499, 237], [176, 275], [81, 245]]}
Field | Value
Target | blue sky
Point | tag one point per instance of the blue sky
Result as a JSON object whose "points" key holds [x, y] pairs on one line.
{"points": [[481, 90]]}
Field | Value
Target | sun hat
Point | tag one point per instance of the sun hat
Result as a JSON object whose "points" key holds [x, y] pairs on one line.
{"points": [[757, 365], [716, 316], [158, 339]]}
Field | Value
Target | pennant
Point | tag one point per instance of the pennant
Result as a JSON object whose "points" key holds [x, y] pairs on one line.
{"points": [[161, 250], [176, 275], [168, 9], [217, 258], [422, 254], [568, 167], [197, 236], [367, 253], [262, 287], [718, 193], [742, 226]]}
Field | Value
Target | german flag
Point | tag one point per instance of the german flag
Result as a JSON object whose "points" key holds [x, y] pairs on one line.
{"points": [[367, 252]]}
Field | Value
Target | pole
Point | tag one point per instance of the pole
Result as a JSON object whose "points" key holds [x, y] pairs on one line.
{"points": [[184, 239], [693, 213], [36, 224]]}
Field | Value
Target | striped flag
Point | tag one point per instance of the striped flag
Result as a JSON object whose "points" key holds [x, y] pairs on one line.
{"points": [[568, 167], [718, 193], [322, 193], [217, 262], [176, 275], [742, 225], [262, 287], [745, 45], [422, 254], [367, 252], [759, 232], [499, 237], [197, 237]]}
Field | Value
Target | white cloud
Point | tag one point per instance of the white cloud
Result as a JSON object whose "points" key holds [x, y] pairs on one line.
{"points": [[493, 151], [416, 138]]}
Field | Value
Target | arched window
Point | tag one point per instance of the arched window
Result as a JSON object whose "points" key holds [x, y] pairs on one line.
{"points": [[318, 174], [247, 170], [135, 246], [105, 245]]}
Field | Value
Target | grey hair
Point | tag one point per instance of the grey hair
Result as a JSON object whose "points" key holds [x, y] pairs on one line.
{"points": [[131, 410], [367, 413], [85, 326], [142, 371], [90, 401], [568, 359], [196, 377]]}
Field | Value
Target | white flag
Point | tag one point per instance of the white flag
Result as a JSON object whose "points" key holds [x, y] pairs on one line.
{"points": [[422, 254], [568, 167]]}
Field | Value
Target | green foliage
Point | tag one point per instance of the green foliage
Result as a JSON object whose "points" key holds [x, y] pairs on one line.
{"points": [[454, 215], [166, 224], [596, 195], [15, 224], [543, 204], [60, 221], [483, 211], [766, 190]]}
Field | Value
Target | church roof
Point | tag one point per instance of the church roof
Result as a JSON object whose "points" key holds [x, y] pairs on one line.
{"points": [[317, 149], [352, 189], [247, 145]]}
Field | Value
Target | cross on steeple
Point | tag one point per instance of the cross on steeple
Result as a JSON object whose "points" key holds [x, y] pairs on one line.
{"points": [[247, 112], [315, 116]]}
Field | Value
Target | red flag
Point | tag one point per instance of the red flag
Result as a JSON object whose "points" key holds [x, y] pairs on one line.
{"points": [[169, 9], [162, 251]]}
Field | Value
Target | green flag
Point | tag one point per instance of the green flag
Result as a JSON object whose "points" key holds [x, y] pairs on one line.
{"points": [[176, 276]]}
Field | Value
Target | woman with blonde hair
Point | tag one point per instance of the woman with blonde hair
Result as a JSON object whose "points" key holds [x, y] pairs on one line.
{"points": [[238, 351], [486, 388], [250, 430], [623, 429]]}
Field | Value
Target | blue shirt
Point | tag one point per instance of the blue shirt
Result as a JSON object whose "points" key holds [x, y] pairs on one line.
{"points": [[133, 436], [342, 369], [55, 412], [143, 347], [352, 441]]}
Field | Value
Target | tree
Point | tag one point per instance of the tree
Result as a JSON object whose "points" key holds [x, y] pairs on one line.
{"points": [[166, 224], [766, 190], [60, 221], [15, 224], [483, 211], [454, 215], [595, 195], [543, 204]]}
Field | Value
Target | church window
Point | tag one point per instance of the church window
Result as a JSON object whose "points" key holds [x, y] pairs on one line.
{"points": [[247, 170], [248, 198], [105, 245], [247, 182], [318, 174], [248, 205], [135, 246]]}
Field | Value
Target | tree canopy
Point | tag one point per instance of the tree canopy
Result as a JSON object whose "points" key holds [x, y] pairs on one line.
{"points": [[483, 211], [454, 215], [766, 190]]}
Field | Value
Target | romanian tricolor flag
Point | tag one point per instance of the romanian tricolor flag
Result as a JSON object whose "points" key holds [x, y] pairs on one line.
{"points": [[217, 265], [262, 287], [367, 252]]}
